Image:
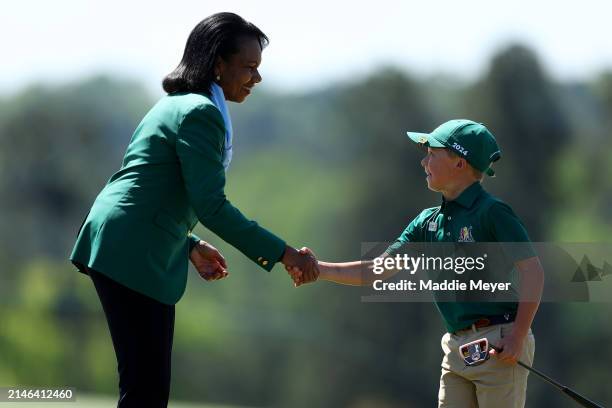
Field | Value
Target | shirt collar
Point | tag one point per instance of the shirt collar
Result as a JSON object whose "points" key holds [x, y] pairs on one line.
{"points": [[467, 197]]}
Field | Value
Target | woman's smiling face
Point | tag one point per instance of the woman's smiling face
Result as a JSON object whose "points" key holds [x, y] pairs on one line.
{"points": [[239, 73]]}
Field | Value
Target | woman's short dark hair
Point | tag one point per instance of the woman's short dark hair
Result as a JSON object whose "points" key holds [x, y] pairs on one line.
{"points": [[215, 36]]}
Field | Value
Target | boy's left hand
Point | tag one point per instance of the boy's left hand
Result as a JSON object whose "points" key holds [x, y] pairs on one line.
{"points": [[512, 347]]}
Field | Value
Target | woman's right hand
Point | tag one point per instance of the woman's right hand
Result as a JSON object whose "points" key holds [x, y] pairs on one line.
{"points": [[302, 263], [296, 273]]}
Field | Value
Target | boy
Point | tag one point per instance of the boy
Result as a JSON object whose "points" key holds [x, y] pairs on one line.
{"points": [[459, 154]]}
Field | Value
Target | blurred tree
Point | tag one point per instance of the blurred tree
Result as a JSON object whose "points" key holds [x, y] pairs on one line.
{"points": [[372, 117], [57, 149], [603, 90], [521, 106]]}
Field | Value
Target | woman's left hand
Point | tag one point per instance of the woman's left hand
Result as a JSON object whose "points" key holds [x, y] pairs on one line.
{"points": [[208, 261]]}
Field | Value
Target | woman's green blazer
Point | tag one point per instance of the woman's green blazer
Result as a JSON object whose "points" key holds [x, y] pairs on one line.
{"points": [[138, 231]]}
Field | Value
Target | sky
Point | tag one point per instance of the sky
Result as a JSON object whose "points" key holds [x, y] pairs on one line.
{"points": [[312, 43]]}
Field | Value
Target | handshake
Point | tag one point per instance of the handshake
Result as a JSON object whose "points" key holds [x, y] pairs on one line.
{"points": [[301, 265], [210, 264]]}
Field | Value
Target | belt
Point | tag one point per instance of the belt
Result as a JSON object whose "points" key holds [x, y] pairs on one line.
{"points": [[490, 321]]}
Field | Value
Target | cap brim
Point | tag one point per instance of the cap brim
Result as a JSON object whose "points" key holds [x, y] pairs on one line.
{"points": [[424, 139]]}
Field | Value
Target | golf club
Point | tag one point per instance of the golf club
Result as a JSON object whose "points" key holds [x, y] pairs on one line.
{"points": [[476, 352]]}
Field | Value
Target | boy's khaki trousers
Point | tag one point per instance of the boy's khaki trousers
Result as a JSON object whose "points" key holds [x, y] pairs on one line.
{"points": [[491, 384]]}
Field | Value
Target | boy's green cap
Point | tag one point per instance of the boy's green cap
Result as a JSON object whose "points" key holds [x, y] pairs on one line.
{"points": [[470, 140]]}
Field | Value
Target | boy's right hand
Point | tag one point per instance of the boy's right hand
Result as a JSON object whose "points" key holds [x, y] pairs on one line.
{"points": [[307, 266], [307, 251], [296, 273]]}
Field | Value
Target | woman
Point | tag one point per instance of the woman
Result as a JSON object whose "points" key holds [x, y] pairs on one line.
{"points": [[136, 239]]}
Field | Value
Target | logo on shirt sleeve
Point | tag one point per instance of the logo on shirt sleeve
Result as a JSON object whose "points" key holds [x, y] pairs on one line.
{"points": [[465, 235]]}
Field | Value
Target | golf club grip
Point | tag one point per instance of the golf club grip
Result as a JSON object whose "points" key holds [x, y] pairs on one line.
{"points": [[580, 399]]}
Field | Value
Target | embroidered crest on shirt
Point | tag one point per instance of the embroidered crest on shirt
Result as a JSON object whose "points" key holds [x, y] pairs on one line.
{"points": [[465, 235]]}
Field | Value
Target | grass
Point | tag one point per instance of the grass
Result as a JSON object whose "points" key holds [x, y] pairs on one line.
{"points": [[96, 401]]}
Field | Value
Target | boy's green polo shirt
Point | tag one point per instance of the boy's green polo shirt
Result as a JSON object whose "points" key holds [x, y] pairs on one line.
{"points": [[474, 216]]}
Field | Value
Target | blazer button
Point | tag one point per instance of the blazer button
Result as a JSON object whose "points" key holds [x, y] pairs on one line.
{"points": [[264, 263], [259, 259]]}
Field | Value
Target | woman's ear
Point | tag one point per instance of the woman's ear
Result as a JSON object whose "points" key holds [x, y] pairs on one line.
{"points": [[219, 68]]}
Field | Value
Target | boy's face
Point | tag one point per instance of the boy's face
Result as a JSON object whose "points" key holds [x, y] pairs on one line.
{"points": [[440, 167]]}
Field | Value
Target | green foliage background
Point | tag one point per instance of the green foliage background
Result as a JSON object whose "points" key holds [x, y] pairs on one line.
{"points": [[327, 169]]}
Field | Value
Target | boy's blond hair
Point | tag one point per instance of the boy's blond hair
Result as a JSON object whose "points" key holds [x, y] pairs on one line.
{"points": [[478, 175]]}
